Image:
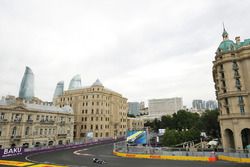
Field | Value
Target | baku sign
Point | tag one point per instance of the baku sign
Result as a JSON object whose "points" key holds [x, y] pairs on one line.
{"points": [[8, 152]]}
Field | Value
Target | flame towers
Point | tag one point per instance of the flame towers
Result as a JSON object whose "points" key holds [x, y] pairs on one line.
{"points": [[26, 90], [59, 89], [75, 82]]}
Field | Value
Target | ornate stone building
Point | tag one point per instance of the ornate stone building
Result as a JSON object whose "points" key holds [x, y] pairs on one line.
{"points": [[135, 123], [28, 124], [232, 83], [99, 112]]}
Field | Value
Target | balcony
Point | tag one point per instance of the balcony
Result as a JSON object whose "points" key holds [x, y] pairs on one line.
{"points": [[17, 120], [29, 121], [15, 138], [62, 123], [241, 103], [221, 70], [236, 76], [234, 116], [235, 67], [222, 79], [62, 135], [47, 122], [3, 121]]}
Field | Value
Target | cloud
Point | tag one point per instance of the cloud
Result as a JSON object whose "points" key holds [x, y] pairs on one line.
{"points": [[142, 48]]}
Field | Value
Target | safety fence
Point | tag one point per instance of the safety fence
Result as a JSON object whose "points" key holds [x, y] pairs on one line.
{"points": [[125, 150], [10, 152]]}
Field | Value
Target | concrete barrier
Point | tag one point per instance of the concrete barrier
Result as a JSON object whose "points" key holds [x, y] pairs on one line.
{"points": [[163, 157], [234, 159]]}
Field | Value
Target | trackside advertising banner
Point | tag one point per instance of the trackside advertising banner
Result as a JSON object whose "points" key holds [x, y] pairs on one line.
{"points": [[137, 137], [8, 152]]}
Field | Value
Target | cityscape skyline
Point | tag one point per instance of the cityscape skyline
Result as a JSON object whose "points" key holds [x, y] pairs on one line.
{"points": [[141, 51]]}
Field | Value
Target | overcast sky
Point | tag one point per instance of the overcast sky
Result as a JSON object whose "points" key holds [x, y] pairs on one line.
{"points": [[143, 49]]}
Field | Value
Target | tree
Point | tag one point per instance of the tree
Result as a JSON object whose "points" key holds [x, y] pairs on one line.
{"points": [[185, 120], [170, 138], [210, 123]]}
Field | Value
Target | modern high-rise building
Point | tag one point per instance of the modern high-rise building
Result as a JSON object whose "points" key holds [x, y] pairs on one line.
{"points": [[211, 105], [26, 90], [59, 89], [198, 104], [134, 108], [75, 82], [99, 112], [202, 105], [168, 106], [232, 83]]}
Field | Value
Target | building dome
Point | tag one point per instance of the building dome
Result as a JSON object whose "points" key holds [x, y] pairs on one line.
{"points": [[97, 83], [226, 45]]}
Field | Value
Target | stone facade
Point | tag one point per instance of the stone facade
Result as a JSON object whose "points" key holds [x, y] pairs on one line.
{"points": [[97, 110], [28, 124], [135, 124], [232, 83]]}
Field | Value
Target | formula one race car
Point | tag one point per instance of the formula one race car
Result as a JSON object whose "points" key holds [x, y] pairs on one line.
{"points": [[98, 161]]}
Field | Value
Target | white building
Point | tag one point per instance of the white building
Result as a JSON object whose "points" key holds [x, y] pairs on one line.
{"points": [[167, 106]]}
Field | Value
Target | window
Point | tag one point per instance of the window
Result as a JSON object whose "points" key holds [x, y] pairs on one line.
{"points": [[237, 82], [240, 99], [27, 131], [235, 65], [96, 126], [0, 132], [81, 126], [2, 116], [41, 131], [91, 126], [92, 118], [242, 110], [14, 131]]}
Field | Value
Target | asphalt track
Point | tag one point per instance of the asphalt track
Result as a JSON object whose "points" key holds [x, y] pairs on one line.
{"points": [[82, 157]]}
